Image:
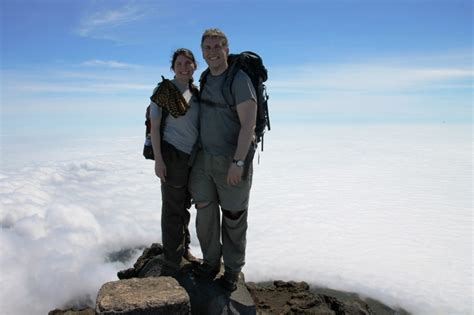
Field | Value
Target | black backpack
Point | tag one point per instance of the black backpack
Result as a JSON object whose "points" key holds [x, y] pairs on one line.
{"points": [[147, 147], [252, 65]]}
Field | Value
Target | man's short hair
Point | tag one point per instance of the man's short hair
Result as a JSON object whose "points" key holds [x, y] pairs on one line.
{"points": [[215, 32]]}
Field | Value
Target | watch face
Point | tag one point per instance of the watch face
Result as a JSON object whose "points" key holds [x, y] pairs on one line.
{"points": [[240, 163]]}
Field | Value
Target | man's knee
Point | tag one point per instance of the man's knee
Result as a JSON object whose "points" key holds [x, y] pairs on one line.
{"points": [[233, 215]]}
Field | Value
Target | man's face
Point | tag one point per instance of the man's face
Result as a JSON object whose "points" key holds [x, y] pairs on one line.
{"points": [[214, 52]]}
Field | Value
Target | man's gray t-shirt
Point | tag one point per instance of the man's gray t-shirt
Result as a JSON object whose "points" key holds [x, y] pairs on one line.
{"points": [[220, 125], [181, 132]]}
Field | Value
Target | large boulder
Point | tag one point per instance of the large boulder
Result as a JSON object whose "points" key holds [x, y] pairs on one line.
{"points": [[139, 296]]}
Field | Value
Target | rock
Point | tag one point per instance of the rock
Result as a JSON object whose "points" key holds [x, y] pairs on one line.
{"points": [[148, 254], [86, 311], [291, 285], [152, 295], [350, 303], [154, 250], [291, 297], [127, 274]]}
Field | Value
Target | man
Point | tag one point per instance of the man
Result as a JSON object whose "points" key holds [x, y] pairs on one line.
{"points": [[217, 181]]}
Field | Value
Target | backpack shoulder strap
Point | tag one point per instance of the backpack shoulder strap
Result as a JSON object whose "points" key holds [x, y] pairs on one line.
{"points": [[194, 90], [202, 79], [164, 115], [234, 67], [202, 82]]}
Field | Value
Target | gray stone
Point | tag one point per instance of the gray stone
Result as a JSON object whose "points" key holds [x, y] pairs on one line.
{"points": [[148, 254], [87, 311], [139, 296], [152, 268]]}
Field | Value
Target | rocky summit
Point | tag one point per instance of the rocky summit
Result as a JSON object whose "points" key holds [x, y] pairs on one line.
{"points": [[149, 288]]}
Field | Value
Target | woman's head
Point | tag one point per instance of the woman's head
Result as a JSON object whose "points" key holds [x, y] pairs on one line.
{"points": [[183, 64]]}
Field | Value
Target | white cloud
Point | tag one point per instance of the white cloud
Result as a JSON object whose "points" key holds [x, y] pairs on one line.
{"points": [[353, 214], [93, 77], [108, 64], [379, 90], [96, 88], [367, 78], [103, 23]]}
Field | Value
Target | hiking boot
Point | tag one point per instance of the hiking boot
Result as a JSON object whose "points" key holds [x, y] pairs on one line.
{"points": [[190, 257], [228, 281], [206, 271]]}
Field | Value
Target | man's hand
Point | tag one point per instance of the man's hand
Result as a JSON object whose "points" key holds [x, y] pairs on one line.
{"points": [[160, 168], [234, 175]]}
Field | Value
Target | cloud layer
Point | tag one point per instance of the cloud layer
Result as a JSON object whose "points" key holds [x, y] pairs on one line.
{"points": [[380, 210]]}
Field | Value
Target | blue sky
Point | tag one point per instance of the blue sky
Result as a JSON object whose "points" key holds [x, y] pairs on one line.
{"points": [[86, 65]]}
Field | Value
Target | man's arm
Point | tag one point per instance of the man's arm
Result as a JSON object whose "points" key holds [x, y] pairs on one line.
{"points": [[247, 112], [160, 167]]}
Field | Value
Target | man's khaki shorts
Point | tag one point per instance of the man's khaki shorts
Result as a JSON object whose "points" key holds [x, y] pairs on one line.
{"points": [[208, 182]]}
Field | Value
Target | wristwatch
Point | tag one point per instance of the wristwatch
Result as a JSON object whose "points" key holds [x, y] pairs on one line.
{"points": [[239, 163]]}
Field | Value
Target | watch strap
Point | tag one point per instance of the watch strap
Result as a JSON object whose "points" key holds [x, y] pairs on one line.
{"points": [[239, 163]]}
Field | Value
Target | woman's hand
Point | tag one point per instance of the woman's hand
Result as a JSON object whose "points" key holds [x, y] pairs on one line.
{"points": [[160, 168]]}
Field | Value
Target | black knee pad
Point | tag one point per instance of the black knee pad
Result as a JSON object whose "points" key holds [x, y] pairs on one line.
{"points": [[233, 215]]}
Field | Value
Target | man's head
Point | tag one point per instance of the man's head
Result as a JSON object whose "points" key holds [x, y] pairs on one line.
{"points": [[215, 32], [215, 49]]}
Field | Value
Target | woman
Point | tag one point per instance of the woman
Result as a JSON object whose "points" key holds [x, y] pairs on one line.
{"points": [[172, 146]]}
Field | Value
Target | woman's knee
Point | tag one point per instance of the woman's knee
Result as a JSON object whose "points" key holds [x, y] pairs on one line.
{"points": [[201, 205]]}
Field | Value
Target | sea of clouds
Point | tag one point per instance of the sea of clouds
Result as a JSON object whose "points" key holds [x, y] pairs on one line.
{"points": [[385, 211]]}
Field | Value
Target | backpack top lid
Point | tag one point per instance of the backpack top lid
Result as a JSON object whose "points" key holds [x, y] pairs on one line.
{"points": [[250, 63]]}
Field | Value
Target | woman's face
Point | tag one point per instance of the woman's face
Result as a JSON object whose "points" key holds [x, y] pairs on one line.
{"points": [[183, 68]]}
